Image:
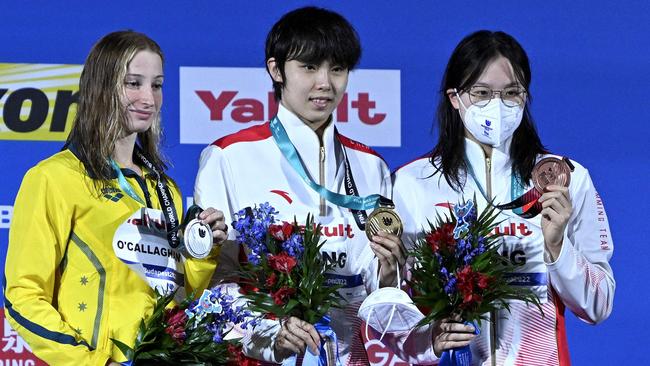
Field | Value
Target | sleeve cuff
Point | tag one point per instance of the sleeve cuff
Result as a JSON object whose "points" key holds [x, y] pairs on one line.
{"points": [[564, 259], [258, 343]]}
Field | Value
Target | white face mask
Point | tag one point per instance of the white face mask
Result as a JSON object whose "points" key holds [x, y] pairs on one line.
{"points": [[403, 315], [492, 124]]}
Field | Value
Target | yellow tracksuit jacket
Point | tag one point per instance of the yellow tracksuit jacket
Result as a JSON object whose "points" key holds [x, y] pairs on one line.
{"points": [[66, 293]]}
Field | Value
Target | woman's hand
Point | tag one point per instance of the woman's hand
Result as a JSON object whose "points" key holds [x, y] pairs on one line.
{"points": [[294, 337], [390, 251], [451, 333], [556, 211], [216, 220]]}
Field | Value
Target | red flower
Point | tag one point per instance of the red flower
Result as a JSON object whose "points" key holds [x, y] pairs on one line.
{"points": [[469, 300], [271, 280], [282, 295], [282, 262], [471, 284], [442, 238], [175, 319], [483, 281], [281, 232]]}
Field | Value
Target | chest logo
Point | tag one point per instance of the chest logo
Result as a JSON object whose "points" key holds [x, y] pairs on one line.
{"points": [[282, 194], [112, 194]]}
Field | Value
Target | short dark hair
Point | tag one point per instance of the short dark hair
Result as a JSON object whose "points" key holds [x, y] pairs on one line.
{"points": [[465, 66], [312, 35]]}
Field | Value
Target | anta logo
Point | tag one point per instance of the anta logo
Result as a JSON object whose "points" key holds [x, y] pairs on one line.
{"points": [[335, 259], [244, 110], [283, 194], [112, 194]]}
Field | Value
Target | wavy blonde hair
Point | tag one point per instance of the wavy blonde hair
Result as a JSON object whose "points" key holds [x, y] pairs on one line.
{"points": [[101, 117]]}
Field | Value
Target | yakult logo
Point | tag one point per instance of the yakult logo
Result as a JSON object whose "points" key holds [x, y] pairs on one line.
{"points": [[219, 101]]}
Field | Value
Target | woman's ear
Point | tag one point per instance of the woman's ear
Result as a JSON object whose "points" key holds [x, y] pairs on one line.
{"points": [[274, 70], [453, 98]]}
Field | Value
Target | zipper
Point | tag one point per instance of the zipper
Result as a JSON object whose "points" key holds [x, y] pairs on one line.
{"points": [[488, 177], [321, 178], [494, 319]]}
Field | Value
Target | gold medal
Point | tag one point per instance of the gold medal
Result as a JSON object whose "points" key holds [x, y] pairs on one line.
{"points": [[384, 218]]}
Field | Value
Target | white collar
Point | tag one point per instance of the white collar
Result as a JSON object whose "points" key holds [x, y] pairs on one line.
{"points": [[501, 165], [308, 146]]}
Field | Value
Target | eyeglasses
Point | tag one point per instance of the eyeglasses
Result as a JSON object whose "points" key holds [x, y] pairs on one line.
{"points": [[511, 96]]}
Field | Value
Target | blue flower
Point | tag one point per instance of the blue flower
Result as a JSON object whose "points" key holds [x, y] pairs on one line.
{"points": [[450, 286], [444, 272], [219, 323], [252, 227], [294, 246]]}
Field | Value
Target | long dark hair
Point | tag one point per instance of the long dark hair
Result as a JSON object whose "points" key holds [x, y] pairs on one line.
{"points": [[467, 63]]}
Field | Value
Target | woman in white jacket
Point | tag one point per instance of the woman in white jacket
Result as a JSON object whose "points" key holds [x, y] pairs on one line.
{"points": [[309, 54], [488, 148]]}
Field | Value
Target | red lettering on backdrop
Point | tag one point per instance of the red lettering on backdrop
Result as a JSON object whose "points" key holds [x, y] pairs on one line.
{"points": [[15, 350], [216, 106], [364, 105], [250, 109], [247, 110], [342, 109]]}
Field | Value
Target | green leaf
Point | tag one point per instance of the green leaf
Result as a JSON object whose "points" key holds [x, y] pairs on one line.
{"points": [[125, 349]]}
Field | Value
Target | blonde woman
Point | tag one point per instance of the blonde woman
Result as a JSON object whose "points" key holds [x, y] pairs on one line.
{"points": [[68, 290]]}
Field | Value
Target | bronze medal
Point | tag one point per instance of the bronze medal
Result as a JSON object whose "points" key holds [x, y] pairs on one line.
{"points": [[551, 171], [383, 218]]}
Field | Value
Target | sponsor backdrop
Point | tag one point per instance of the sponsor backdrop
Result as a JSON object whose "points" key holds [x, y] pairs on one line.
{"points": [[590, 82]]}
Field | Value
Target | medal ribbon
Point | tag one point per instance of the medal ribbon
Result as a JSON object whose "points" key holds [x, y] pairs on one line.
{"points": [[164, 196], [459, 356], [360, 216], [124, 184], [351, 201], [325, 330], [525, 205]]}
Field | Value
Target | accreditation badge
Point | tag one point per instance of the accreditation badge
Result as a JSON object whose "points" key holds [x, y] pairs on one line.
{"points": [[141, 243]]}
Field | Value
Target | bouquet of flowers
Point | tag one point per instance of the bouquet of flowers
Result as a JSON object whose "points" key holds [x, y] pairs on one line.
{"points": [[285, 273], [191, 333], [459, 271]]}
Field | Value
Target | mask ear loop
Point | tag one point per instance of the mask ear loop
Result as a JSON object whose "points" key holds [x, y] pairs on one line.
{"points": [[392, 311], [460, 101]]}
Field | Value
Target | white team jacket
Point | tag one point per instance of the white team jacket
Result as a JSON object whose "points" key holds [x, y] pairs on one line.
{"points": [[247, 168], [580, 279]]}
